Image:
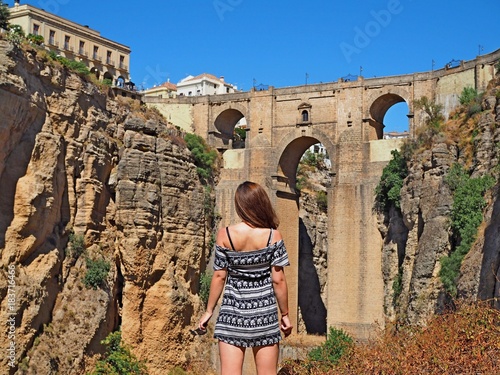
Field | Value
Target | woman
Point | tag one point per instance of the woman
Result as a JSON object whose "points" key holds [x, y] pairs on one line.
{"points": [[249, 261]]}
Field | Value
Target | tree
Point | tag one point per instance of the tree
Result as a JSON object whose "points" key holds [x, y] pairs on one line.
{"points": [[432, 109], [4, 15]]}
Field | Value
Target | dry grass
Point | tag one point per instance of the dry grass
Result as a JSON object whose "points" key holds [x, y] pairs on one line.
{"points": [[463, 342]]}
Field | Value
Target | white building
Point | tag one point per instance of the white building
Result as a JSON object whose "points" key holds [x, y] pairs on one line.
{"points": [[204, 84]]}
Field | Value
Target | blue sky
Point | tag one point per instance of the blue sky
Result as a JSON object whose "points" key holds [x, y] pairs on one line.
{"points": [[280, 43]]}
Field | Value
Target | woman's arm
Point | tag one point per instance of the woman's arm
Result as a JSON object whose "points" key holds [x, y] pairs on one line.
{"points": [[216, 287], [281, 293]]}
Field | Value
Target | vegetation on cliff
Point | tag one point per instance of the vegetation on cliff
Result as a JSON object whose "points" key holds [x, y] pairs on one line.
{"points": [[118, 359], [466, 341], [388, 191], [205, 158], [311, 173], [466, 216], [4, 15]]}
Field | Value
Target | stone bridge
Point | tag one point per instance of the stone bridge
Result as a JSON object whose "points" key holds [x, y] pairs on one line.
{"points": [[347, 118]]}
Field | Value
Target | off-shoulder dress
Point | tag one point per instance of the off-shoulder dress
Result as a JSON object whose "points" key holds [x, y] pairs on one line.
{"points": [[248, 314]]}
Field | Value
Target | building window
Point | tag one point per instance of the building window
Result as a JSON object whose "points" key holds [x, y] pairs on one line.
{"points": [[81, 50], [67, 39], [305, 116], [52, 37], [122, 62], [95, 55], [36, 29], [108, 58]]}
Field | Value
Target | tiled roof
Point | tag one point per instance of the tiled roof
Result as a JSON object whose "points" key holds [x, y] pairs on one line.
{"points": [[169, 85], [203, 75]]}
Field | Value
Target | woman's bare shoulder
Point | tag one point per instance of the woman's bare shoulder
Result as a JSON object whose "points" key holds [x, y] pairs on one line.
{"points": [[277, 235]]}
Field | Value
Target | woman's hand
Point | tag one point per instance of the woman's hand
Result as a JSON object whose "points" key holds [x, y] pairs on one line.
{"points": [[204, 320], [286, 326]]}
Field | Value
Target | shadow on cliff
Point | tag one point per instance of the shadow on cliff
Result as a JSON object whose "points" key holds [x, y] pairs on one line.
{"points": [[490, 269], [311, 305]]}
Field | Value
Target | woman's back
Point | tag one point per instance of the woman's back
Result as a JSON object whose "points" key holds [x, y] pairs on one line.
{"points": [[243, 237]]}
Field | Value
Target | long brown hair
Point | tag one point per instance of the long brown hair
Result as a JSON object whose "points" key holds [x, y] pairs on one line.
{"points": [[253, 206]]}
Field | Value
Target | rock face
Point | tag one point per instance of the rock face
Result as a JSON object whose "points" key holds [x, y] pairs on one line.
{"points": [[313, 235], [73, 161], [417, 236]]}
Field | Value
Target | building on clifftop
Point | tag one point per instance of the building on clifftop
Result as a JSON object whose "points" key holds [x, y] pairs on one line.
{"points": [[204, 84], [105, 58], [163, 91]]}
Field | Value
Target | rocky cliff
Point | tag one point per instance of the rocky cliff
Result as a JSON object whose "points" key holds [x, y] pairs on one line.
{"points": [[419, 235], [75, 163]]}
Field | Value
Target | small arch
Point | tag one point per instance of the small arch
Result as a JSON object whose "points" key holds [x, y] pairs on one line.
{"points": [[108, 78], [120, 81], [95, 72]]}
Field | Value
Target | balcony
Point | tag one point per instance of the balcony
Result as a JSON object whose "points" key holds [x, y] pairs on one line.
{"points": [[110, 62], [67, 47], [123, 66], [52, 42], [96, 57], [82, 52]]}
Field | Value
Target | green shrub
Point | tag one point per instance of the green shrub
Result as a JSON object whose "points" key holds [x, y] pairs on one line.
{"points": [[118, 359], [466, 216], [240, 133], [77, 245], [336, 345], [204, 157], [468, 95], [397, 286], [205, 280], [388, 190], [471, 99], [97, 272], [18, 30], [4, 15], [35, 39], [322, 200], [433, 110], [309, 158], [73, 65], [107, 81]]}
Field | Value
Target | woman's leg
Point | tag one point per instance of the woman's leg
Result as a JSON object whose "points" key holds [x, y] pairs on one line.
{"points": [[231, 359], [266, 359]]}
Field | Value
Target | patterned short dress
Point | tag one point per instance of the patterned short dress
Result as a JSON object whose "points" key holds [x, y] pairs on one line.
{"points": [[248, 314]]}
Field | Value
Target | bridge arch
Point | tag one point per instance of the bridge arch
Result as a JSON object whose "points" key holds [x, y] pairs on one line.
{"points": [[305, 291], [292, 147], [378, 110], [224, 123]]}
